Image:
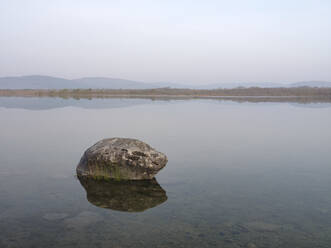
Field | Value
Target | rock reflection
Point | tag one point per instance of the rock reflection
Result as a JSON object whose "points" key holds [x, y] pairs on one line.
{"points": [[128, 196]]}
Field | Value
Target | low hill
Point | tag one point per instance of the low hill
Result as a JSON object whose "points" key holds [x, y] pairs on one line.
{"points": [[47, 82]]}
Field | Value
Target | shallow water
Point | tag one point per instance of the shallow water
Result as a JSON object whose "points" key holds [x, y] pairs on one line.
{"points": [[239, 174]]}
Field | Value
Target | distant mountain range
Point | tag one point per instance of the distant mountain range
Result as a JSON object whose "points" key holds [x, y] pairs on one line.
{"points": [[46, 82]]}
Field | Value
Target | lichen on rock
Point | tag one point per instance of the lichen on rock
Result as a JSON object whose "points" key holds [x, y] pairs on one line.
{"points": [[121, 159]]}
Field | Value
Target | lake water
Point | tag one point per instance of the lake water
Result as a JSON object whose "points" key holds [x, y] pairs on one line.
{"points": [[239, 174]]}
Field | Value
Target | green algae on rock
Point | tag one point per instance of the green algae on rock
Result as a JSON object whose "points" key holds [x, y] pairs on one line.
{"points": [[121, 159]]}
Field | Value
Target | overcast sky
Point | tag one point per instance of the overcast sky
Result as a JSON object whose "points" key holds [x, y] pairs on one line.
{"points": [[183, 41]]}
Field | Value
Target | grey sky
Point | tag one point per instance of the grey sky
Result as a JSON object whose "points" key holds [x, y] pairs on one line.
{"points": [[198, 42]]}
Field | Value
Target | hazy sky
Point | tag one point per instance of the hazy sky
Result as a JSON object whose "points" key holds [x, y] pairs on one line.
{"points": [[198, 42]]}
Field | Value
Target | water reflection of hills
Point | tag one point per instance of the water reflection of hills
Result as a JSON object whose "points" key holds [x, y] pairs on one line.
{"points": [[44, 103], [128, 196]]}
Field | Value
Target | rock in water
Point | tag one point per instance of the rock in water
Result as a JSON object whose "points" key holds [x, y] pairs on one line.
{"points": [[121, 159]]}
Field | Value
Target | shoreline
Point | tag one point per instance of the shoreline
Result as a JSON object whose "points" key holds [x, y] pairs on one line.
{"points": [[303, 94]]}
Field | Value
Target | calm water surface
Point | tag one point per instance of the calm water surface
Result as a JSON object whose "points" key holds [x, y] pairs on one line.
{"points": [[239, 174]]}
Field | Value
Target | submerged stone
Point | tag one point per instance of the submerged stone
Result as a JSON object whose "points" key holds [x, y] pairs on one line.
{"points": [[55, 216], [82, 220], [128, 196], [121, 159]]}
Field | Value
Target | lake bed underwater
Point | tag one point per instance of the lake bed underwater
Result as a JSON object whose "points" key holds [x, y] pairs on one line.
{"points": [[239, 174]]}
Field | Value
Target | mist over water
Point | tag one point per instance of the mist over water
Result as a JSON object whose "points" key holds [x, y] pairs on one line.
{"points": [[190, 42], [236, 94]]}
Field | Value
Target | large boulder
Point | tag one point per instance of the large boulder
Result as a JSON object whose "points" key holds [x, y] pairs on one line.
{"points": [[121, 159], [128, 196]]}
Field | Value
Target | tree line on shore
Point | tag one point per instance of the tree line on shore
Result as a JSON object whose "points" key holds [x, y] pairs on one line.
{"points": [[172, 92]]}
